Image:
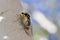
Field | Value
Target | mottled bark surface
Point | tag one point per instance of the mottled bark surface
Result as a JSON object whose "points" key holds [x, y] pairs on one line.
{"points": [[9, 26]]}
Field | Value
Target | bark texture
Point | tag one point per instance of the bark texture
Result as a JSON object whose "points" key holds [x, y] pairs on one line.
{"points": [[9, 26]]}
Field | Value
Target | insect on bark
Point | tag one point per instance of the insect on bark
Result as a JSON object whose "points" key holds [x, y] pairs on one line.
{"points": [[26, 23]]}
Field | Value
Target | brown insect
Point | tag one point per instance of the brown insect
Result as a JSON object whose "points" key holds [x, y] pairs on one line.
{"points": [[26, 22]]}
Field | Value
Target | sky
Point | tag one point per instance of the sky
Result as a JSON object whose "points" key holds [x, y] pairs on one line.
{"points": [[46, 6]]}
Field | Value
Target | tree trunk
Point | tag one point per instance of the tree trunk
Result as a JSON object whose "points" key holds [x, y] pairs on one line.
{"points": [[10, 28]]}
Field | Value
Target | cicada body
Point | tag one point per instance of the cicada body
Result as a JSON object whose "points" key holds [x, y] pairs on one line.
{"points": [[26, 22]]}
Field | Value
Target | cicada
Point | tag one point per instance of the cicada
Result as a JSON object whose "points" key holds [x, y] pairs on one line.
{"points": [[26, 22]]}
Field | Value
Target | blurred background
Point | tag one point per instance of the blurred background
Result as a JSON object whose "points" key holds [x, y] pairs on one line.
{"points": [[45, 18]]}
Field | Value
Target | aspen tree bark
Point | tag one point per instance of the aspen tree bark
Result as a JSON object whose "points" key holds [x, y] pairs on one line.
{"points": [[10, 28]]}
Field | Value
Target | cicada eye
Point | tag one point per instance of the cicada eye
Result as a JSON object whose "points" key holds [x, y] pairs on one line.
{"points": [[22, 13], [27, 14]]}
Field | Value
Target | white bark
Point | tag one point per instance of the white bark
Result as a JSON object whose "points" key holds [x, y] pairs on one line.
{"points": [[8, 26]]}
